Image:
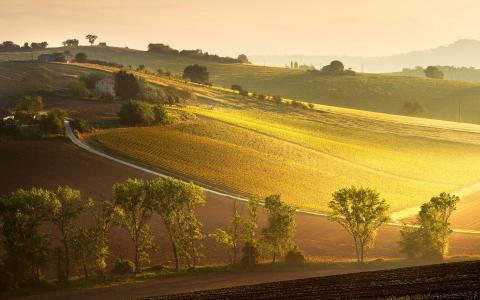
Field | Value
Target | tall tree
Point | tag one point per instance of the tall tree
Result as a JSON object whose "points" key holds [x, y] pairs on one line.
{"points": [[230, 239], [277, 237], [361, 212], [70, 208], [135, 209], [91, 38], [26, 248], [430, 239], [175, 202]]}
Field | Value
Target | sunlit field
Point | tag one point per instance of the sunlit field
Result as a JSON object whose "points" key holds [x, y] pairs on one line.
{"points": [[303, 155]]}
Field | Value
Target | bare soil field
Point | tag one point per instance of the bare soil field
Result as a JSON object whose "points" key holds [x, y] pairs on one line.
{"points": [[443, 281]]}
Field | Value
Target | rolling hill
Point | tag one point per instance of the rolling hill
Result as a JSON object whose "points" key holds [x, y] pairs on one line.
{"points": [[442, 99]]}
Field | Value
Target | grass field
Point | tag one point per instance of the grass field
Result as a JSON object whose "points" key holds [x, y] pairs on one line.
{"points": [[443, 99]]}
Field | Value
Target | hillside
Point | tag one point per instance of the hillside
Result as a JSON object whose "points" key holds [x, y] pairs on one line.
{"points": [[461, 53], [443, 281], [445, 100]]}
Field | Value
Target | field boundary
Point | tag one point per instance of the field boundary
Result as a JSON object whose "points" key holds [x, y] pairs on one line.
{"points": [[69, 133]]}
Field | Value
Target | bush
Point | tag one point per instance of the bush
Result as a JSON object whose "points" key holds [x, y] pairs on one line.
{"points": [[277, 99], [123, 267], [295, 257], [251, 255]]}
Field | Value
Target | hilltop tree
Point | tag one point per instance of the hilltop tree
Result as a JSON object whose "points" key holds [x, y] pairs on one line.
{"points": [[243, 59], [135, 209], [361, 212], [26, 249], [91, 38], [175, 201], [277, 236], [196, 73], [335, 67], [433, 72], [126, 85], [430, 239], [70, 207], [71, 43]]}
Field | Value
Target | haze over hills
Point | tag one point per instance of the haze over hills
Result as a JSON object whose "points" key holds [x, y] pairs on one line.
{"points": [[461, 53]]}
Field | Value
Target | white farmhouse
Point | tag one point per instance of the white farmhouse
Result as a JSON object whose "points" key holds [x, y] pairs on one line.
{"points": [[105, 86]]}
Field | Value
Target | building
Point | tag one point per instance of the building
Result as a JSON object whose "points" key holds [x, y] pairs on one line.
{"points": [[105, 86]]}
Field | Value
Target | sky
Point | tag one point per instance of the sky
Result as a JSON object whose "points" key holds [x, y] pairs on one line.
{"points": [[225, 27]]}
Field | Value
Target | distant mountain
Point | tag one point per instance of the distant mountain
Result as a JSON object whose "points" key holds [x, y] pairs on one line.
{"points": [[462, 53]]}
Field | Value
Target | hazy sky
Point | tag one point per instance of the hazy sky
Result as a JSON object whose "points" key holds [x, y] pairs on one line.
{"points": [[346, 27]]}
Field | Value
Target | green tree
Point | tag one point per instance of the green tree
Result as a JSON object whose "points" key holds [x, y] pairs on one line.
{"points": [[433, 72], [175, 202], [31, 105], [361, 212], [430, 239], [81, 57], [52, 123], [91, 38], [196, 73], [243, 59], [126, 85], [230, 239], [26, 248], [277, 236], [135, 209], [70, 208]]}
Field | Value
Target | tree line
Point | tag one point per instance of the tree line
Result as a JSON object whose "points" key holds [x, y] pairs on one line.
{"points": [[84, 246], [9, 46], [198, 54]]}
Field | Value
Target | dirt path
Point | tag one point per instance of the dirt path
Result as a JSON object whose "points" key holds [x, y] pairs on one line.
{"points": [[178, 284]]}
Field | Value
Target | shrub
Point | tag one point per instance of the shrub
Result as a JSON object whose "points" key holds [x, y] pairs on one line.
{"points": [[311, 105], [295, 257], [261, 97], [277, 99], [251, 254], [123, 267]]}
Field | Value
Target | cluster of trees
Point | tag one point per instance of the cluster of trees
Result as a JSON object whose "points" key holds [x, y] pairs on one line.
{"points": [[31, 121], [198, 54], [335, 67], [9, 46], [140, 113]]}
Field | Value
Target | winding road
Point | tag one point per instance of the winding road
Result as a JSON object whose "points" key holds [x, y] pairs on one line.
{"points": [[69, 133]]}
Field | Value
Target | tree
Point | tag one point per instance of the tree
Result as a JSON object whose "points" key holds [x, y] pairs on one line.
{"points": [[71, 43], [91, 79], [126, 85], [243, 59], [52, 123], [430, 239], [81, 57], [334, 68], [277, 236], [91, 38], [230, 239], [196, 73], [26, 249], [140, 113], [250, 249], [31, 105], [433, 72], [70, 207], [135, 209], [413, 108], [361, 212], [174, 203]]}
